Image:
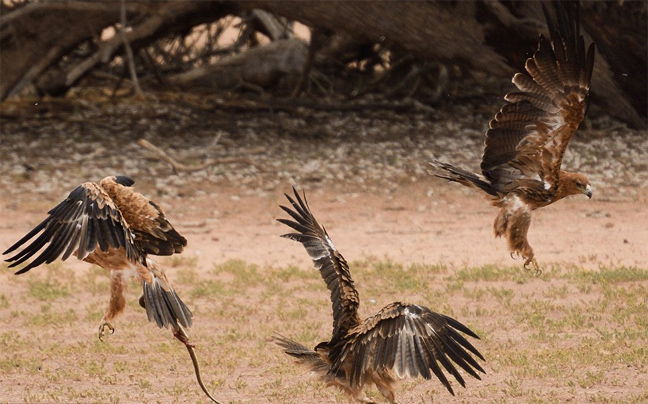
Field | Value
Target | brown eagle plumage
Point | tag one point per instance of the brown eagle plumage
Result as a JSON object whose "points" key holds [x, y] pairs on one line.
{"points": [[401, 340], [526, 141], [112, 226]]}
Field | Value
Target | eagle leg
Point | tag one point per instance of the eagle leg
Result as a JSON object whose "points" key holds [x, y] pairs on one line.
{"points": [[352, 393], [116, 305], [384, 384], [514, 219]]}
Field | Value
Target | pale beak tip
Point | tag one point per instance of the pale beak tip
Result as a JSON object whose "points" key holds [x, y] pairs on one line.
{"points": [[588, 192]]}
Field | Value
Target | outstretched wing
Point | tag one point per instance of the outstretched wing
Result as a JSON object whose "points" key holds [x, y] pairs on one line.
{"points": [[330, 263], [410, 341], [85, 220], [153, 232], [527, 139]]}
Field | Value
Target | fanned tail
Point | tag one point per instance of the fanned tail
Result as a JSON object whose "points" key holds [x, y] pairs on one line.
{"points": [[162, 303], [462, 176], [304, 355]]}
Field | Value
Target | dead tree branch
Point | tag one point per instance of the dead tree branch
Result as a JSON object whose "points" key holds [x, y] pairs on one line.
{"points": [[129, 50]]}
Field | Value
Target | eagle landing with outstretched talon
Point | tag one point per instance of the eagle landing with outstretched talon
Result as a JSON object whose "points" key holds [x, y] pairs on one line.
{"points": [[526, 140]]}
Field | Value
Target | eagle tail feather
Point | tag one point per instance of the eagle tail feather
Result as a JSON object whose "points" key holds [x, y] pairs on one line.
{"points": [[304, 355], [164, 307], [464, 177]]}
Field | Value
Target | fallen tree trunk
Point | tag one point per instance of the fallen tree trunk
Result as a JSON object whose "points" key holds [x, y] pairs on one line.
{"points": [[261, 67], [37, 36], [489, 36]]}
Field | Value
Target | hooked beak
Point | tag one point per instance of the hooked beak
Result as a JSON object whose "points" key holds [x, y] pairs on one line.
{"points": [[588, 191]]}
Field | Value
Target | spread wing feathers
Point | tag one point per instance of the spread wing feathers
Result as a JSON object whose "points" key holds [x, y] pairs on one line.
{"points": [[529, 135], [304, 355], [85, 220], [330, 263], [153, 232], [162, 303], [411, 341]]}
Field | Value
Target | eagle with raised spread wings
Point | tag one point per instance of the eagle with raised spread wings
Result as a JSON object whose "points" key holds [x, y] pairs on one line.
{"points": [[401, 340], [526, 141], [112, 226]]}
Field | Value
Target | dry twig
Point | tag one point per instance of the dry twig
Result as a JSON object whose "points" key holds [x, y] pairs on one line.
{"points": [[177, 167]]}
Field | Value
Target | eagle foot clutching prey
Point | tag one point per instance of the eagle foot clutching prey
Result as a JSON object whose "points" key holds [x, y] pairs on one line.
{"points": [[401, 340], [526, 140], [112, 226]]}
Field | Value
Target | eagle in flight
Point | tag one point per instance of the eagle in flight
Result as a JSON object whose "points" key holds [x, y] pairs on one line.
{"points": [[526, 141], [401, 340], [112, 226]]}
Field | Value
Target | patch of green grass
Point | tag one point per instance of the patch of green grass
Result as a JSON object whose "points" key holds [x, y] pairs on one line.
{"points": [[182, 261], [48, 317], [602, 398], [186, 276], [144, 384], [514, 388], [96, 280], [393, 277], [210, 289], [490, 273], [49, 289], [11, 344], [607, 275], [93, 368], [243, 274], [454, 286], [556, 292], [291, 273], [294, 314], [503, 295], [4, 302]]}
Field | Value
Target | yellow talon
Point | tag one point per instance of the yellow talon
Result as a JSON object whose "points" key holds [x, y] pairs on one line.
{"points": [[102, 328], [534, 264]]}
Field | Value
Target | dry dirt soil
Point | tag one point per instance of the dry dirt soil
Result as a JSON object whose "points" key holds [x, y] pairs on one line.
{"points": [[366, 179]]}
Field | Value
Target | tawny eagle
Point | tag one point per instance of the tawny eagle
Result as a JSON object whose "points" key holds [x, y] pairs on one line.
{"points": [[112, 226], [401, 340], [526, 141]]}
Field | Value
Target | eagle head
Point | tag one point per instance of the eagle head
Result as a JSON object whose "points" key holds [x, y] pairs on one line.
{"points": [[582, 185]]}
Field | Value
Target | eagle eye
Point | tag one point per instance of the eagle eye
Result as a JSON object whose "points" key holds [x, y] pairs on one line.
{"points": [[579, 183]]}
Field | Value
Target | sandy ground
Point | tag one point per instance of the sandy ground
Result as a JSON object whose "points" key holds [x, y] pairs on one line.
{"points": [[408, 217], [422, 222]]}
